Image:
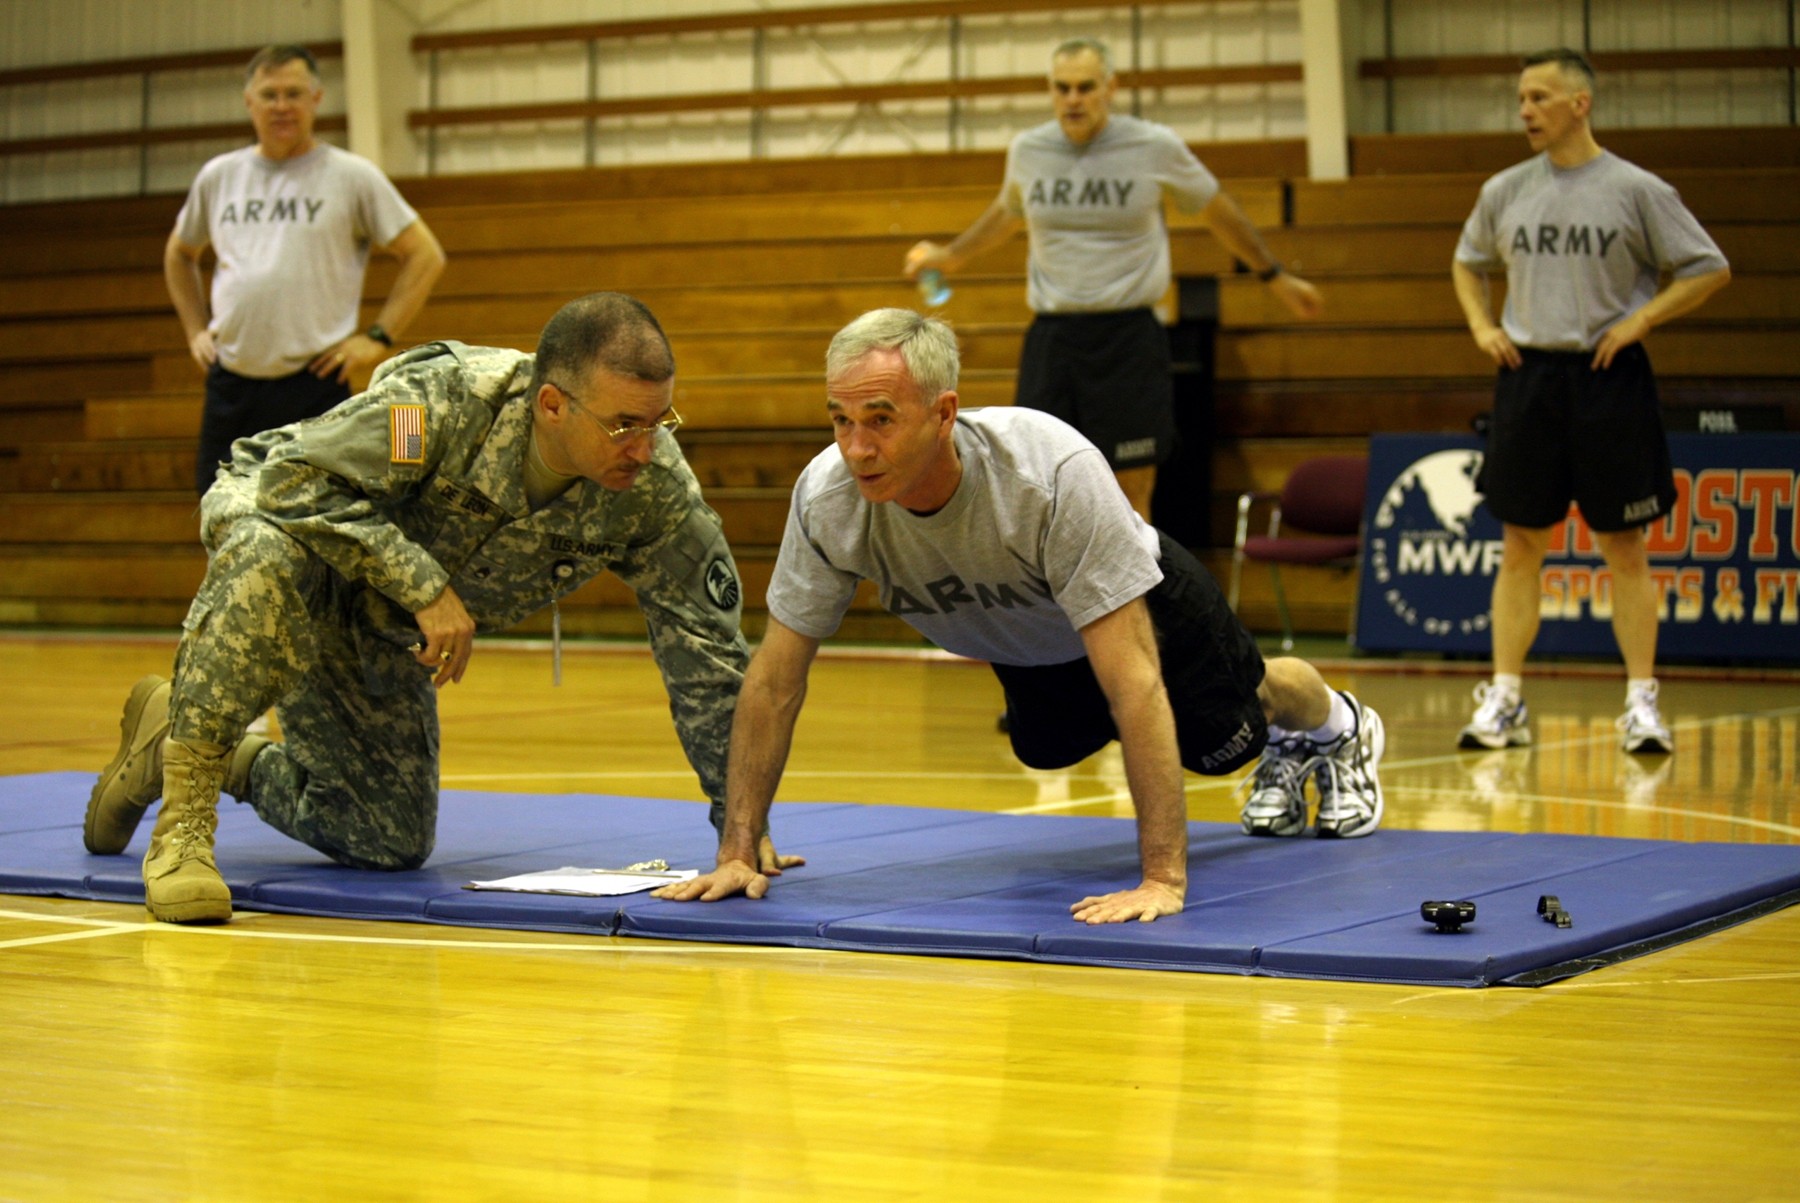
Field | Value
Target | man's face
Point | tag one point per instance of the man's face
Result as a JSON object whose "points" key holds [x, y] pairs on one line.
{"points": [[897, 445], [577, 445], [1551, 109], [1082, 94], [283, 101]]}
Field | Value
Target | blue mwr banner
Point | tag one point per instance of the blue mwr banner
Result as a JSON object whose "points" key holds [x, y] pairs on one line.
{"points": [[1726, 558]]}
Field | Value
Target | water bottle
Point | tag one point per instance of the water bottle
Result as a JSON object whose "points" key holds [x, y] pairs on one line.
{"points": [[932, 287]]}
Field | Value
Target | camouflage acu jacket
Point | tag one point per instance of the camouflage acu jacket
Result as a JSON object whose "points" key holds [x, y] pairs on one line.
{"points": [[419, 483]]}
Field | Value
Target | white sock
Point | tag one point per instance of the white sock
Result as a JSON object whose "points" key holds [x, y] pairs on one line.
{"points": [[1340, 720], [1639, 685], [1510, 684]]}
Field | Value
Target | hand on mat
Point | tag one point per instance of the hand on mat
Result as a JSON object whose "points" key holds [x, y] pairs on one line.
{"points": [[1144, 904], [770, 862], [732, 877]]}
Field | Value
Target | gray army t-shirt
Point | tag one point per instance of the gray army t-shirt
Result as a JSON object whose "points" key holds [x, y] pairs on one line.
{"points": [[292, 238], [1582, 246], [1095, 212], [1037, 542]]}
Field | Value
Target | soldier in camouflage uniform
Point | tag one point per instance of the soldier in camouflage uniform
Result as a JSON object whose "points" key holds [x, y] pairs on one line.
{"points": [[352, 560]]}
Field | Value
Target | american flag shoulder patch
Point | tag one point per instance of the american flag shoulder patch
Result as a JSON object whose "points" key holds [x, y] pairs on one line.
{"points": [[406, 425]]}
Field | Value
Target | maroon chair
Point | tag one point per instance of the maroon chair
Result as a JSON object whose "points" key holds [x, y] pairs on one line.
{"points": [[1316, 519]]}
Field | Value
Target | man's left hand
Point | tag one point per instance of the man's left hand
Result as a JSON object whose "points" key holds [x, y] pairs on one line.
{"points": [[1144, 904], [1619, 335], [770, 862], [1301, 298], [355, 353], [449, 637]]}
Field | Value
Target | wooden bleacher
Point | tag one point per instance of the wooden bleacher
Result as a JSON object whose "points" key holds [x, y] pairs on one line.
{"points": [[751, 267]]}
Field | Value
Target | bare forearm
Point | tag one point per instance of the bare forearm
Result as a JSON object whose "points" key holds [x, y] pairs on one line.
{"points": [[1153, 771], [1472, 295], [1232, 227], [1683, 296], [187, 291], [992, 228], [419, 271], [762, 732]]}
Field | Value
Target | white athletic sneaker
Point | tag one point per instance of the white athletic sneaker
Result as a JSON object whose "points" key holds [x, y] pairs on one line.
{"points": [[1277, 801], [1349, 791], [1499, 720], [1641, 727]]}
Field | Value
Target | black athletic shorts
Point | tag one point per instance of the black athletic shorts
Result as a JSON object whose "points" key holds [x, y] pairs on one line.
{"points": [[240, 406], [1107, 375], [1563, 432], [1058, 714]]}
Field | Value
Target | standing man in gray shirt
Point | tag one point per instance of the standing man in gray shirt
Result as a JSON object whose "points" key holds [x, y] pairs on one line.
{"points": [[998, 534], [1089, 188], [291, 221], [1584, 237]]}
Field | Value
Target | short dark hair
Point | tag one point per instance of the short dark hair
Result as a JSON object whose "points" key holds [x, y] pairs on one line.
{"points": [[605, 329], [275, 56], [1572, 62]]}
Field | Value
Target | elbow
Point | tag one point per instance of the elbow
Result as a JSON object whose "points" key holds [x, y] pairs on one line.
{"points": [[432, 262]]}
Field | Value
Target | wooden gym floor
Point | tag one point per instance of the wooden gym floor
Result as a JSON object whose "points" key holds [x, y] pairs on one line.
{"points": [[285, 1058]]}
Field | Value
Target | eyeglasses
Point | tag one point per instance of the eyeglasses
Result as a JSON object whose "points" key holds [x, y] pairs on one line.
{"points": [[622, 434]]}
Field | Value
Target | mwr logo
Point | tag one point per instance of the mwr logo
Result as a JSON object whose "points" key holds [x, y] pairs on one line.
{"points": [[1422, 540], [722, 584]]}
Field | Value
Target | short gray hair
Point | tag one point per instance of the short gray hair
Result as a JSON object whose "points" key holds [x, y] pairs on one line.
{"points": [[1092, 46], [927, 345], [1573, 64], [280, 55]]}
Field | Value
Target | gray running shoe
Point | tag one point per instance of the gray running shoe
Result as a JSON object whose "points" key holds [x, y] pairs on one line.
{"points": [[1499, 720], [1349, 791], [1641, 727], [1277, 801]]}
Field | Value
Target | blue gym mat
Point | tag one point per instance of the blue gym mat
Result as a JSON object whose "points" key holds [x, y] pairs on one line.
{"points": [[959, 883]]}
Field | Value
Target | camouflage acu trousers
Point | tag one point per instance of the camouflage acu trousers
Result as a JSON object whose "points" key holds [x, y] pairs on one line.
{"points": [[357, 777]]}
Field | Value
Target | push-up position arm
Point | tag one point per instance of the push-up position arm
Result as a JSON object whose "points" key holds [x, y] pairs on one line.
{"points": [[1122, 649], [762, 730]]}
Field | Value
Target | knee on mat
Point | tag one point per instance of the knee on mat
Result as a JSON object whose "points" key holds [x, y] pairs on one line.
{"points": [[382, 860]]}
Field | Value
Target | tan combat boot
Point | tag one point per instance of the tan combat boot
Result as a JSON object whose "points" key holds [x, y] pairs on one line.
{"points": [[133, 780], [181, 882]]}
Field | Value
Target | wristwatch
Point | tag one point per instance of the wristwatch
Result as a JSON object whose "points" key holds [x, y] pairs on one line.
{"points": [[379, 335], [1270, 272]]}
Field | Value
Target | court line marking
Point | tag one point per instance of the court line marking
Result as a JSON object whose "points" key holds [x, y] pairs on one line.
{"points": [[597, 943], [883, 774], [59, 937], [1584, 984], [112, 927], [1611, 804]]}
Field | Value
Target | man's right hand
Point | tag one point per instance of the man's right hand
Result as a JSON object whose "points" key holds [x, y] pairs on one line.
{"points": [[924, 255], [1498, 347], [731, 877], [204, 350]]}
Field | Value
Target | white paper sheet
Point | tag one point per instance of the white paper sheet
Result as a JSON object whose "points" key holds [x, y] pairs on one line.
{"points": [[589, 883]]}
